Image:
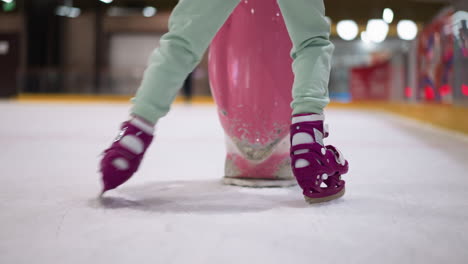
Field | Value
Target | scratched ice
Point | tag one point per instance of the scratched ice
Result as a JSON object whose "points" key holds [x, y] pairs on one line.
{"points": [[407, 199]]}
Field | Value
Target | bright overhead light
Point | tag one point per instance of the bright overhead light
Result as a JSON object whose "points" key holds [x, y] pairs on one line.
{"points": [[407, 29], [4, 47], [74, 12], [347, 29], [388, 15], [107, 1], [149, 11], [68, 11], [365, 38], [62, 11], [377, 30], [7, 1]]}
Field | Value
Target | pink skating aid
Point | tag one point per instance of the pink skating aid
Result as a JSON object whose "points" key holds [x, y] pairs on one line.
{"points": [[251, 80]]}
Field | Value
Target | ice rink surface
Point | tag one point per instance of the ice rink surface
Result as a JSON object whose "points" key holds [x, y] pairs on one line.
{"points": [[407, 199]]}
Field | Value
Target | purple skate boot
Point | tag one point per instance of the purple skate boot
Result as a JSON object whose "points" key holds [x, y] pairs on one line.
{"points": [[122, 158], [318, 168]]}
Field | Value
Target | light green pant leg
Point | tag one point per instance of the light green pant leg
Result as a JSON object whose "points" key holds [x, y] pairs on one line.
{"points": [[192, 26], [312, 51]]}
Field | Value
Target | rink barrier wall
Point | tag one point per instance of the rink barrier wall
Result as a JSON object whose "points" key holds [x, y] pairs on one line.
{"points": [[442, 115]]}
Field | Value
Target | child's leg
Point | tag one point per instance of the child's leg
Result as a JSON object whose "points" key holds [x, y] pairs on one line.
{"points": [[316, 166], [192, 26], [312, 50]]}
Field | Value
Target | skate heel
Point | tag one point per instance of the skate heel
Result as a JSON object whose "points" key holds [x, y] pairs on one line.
{"points": [[325, 199]]}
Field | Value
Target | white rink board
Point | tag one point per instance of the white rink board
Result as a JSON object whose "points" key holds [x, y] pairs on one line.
{"points": [[407, 199]]}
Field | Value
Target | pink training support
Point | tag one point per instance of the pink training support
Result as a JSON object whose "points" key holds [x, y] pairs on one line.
{"points": [[251, 80]]}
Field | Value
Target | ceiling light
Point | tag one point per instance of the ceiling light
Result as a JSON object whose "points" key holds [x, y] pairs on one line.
{"points": [[347, 29], [388, 15], [62, 11], [68, 11], [4, 47], [149, 11], [365, 38], [74, 12], [377, 30], [407, 29]]}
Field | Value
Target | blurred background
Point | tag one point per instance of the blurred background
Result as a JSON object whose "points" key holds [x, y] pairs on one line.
{"points": [[398, 50], [407, 188]]}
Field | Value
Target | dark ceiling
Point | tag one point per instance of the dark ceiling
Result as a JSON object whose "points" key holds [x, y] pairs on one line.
{"points": [[358, 10]]}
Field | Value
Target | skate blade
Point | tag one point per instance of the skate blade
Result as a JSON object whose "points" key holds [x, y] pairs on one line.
{"points": [[258, 183], [324, 199]]}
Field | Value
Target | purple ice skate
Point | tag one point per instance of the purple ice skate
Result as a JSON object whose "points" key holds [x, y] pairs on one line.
{"points": [[318, 168], [122, 159]]}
